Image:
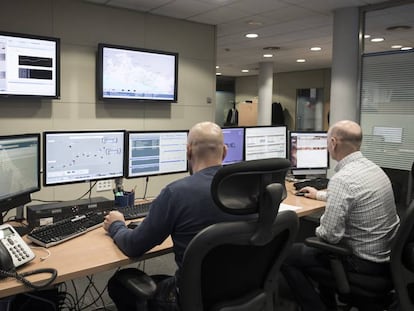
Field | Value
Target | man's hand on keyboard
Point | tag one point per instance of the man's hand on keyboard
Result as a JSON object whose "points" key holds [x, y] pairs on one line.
{"points": [[112, 217]]}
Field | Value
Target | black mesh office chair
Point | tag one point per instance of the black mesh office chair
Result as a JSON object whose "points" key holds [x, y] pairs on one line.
{"points": [[402, 261], [368, 292], [234, 265]]}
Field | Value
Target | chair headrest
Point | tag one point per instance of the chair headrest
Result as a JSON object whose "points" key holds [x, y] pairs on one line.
{"points": [[238, 188]]}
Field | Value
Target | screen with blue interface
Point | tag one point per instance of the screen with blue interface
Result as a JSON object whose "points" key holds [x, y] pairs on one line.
{"points": [[82, 156], [234, 140], [308, 152], [156, 152], [265, 142]]}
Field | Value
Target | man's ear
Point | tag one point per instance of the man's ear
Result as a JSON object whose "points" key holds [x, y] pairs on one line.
{"points": [[188, 152], [224, 152]]}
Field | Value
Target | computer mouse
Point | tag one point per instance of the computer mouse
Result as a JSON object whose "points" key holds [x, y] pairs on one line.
{"points": [[301, 193], [133, 224]]}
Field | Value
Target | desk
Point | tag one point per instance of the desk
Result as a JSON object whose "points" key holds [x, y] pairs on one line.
{"points": [[95, 252]]}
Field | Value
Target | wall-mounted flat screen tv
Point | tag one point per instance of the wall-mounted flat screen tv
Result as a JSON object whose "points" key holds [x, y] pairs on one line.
{"points": [[136, 74], [29, 65]]}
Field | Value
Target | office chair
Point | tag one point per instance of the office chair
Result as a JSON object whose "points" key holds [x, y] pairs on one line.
{"points": [[402, 260], [372, 292], [233, 266]]}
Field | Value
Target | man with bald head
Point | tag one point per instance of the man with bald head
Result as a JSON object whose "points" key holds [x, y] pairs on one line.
{"points": [[360, 213], [181, 210]]}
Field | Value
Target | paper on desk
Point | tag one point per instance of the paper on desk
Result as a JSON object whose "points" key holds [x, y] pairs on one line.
{"points": [[286, 207]]}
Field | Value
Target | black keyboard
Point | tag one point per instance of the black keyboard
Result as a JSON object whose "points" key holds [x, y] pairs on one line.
{"points": [[317, 183], [137, 211], [66, 229]]}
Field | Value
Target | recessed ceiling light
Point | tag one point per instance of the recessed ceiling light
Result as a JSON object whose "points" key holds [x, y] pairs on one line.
{"points": [[251, 35], [406, 48], [245, 70], [218, 73], [377, 39], [217, 67], [367, 36], [396, 46], [315, 48], [267, 55], [301, 60]]}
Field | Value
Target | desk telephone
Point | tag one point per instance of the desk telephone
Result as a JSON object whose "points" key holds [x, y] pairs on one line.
{"points": [[14, 252]]}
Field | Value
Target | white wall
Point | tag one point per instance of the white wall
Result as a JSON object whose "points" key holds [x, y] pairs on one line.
{"points": [[81, 26]]}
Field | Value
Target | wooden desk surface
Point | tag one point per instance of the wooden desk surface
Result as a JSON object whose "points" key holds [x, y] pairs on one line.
{"points": [[95, 252]]}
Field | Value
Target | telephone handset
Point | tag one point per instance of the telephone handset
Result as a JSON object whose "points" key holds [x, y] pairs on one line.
{"points": [[14, 252]]}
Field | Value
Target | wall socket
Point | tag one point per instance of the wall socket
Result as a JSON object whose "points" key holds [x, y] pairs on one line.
{"points": [[104, 185]]}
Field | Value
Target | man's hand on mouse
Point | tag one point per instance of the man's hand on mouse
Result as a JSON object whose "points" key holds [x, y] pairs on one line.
{"points": [[309, 192]]}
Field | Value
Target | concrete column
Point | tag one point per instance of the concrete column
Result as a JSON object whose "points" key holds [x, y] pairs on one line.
{"points": [[264, 109], [345, 59]]}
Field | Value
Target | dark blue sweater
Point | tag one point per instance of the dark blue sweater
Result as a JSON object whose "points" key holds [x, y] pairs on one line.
{"points": [[181, 210]]}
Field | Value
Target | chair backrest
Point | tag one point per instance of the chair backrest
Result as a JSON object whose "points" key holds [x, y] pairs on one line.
{"points": [[402, 260], [234, 265]]}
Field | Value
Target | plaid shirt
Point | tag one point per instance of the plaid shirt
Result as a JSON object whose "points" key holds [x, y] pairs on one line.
{"points": [[360, 209]]}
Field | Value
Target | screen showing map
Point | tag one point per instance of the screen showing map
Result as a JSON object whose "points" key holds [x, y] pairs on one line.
{"points": [[82, 156], [137, 74]]}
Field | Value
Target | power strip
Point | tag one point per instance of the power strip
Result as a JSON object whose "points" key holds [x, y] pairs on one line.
{"points": [[104, 185]]}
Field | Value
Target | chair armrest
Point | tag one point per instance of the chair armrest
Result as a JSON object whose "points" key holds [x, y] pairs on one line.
{"points": [[136, 282], [338, 249], [335, 253]]}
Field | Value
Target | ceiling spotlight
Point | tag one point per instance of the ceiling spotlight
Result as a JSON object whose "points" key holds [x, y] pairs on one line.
{"points": [[217, 67], [251, 35], [245, 70], [377, 39], [267, 55], [301, 60], [218, 73], [406, 48], [316, 48], [367, 36], [397, 46]]}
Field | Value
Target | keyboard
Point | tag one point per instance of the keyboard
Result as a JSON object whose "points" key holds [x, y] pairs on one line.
{"points": [[317, 183], [66, 229], [136, 211]]}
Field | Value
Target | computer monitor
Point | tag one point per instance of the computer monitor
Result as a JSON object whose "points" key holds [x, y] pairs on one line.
{"points": [[82, 156], [156, 153], [128, 73], [265, 142], [29, 65], [308, 152], [19, 170], [234, 140]]}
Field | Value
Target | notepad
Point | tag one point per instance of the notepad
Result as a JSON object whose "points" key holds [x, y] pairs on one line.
{"points": [[286, 207]]}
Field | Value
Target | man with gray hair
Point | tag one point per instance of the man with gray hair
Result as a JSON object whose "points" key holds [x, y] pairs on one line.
{"points": [[360, 213]]}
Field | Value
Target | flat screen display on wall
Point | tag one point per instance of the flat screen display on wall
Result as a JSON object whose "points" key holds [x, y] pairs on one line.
{"points": [[29, 65], [136, 74]]}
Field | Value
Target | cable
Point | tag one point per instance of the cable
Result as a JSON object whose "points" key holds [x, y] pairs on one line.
{"points": [[89, 191], [146, 187], [22, 277], [48, 253]]}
